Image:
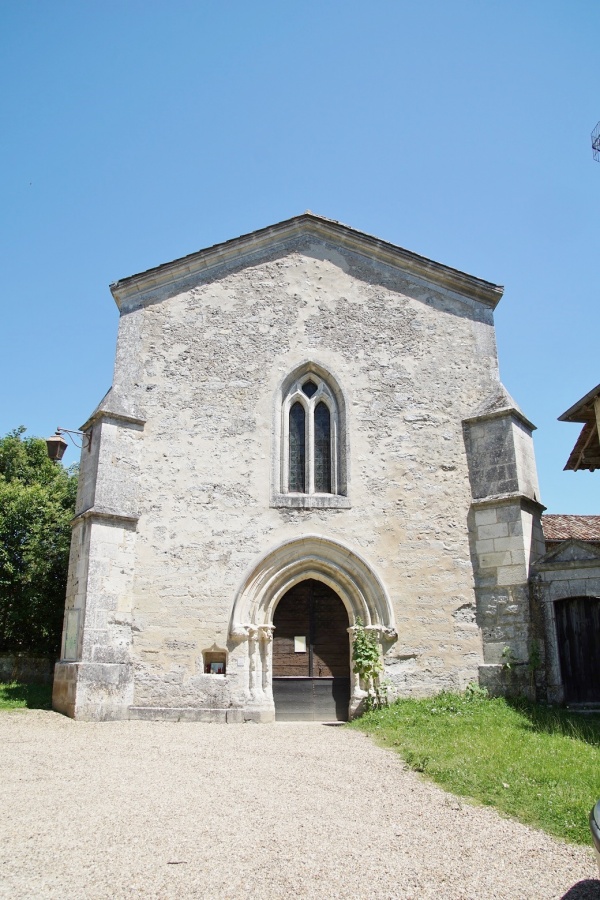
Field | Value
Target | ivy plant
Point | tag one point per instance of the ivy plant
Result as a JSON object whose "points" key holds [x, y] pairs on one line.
{"points": [[366, 659]]}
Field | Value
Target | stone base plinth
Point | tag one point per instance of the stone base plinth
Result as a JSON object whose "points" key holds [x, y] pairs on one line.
{"points": [[93, 691], [198, 714]]}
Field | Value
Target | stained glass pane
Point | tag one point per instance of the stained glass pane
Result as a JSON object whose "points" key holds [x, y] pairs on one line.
{"points": [[322, 449], [309, 388], [297, 449]]}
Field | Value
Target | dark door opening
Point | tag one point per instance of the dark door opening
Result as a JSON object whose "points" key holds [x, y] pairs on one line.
{"points": [[311, 655], [578, 635]]}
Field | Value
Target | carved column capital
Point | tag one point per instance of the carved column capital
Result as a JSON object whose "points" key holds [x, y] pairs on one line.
{"points": [[265, 633], [381, 632]]}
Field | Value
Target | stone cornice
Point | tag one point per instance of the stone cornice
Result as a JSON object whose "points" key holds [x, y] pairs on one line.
{"points": [[122, 419], [307, 224], [501, 414], [567, 564], [506, 499], [109, 516]]}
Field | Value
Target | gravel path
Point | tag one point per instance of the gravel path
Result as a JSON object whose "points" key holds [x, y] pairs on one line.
{"points": [[148, 809]]}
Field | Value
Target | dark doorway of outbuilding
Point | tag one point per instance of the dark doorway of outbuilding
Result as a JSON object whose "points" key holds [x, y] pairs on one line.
{"points": [[578, 634], [311, 655]]}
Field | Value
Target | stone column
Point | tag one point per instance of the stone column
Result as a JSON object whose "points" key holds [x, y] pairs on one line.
{"points": [[94, 677], [505, 536], [266, 644], [357, 694], [253, 663]]}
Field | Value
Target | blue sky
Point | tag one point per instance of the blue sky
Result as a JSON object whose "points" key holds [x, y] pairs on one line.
{"points": [[136, 132]]}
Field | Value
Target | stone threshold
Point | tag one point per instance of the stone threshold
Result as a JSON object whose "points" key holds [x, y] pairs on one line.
{"points": [[197, 714]]}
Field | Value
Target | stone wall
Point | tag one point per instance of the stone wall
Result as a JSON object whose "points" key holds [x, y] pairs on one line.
{"points": [[572, 569], [26, 669], [201, 361]]}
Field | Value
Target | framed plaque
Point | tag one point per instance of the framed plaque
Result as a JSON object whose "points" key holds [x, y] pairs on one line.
{"points": [[71, 635]]}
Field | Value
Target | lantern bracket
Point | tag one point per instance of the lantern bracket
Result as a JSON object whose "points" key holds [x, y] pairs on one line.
{"points": [[86, 438], [56, 445]]}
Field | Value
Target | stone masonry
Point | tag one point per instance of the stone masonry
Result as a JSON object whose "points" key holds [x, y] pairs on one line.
{"points": [[185, 538]]}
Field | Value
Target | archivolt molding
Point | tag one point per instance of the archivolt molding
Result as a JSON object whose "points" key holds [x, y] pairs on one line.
{"points": [[312, 556]]}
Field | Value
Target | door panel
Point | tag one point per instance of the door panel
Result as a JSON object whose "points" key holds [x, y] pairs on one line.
{"points": [[331, 647], [578, 635], [311, 699], [293, 699], [312, 685], [292, 619], [331, 698]]}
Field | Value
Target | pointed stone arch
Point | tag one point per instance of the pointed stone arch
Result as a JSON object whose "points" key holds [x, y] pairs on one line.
{"points": [[326, 560], [282, 567]]}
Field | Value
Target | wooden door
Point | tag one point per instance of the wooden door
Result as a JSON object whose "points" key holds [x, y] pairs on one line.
{"points": [[311, 654], [578, 635]]}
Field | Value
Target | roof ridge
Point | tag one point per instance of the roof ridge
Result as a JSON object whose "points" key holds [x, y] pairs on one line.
{"points": [[197, 263]]}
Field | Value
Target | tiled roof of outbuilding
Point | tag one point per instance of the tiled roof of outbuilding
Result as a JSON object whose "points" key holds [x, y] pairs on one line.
{"points": [[586, 452], [583, 410], [563, 528]]}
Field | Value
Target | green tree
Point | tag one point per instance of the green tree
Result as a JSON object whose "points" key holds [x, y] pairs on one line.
{"points": [[37, 502]]}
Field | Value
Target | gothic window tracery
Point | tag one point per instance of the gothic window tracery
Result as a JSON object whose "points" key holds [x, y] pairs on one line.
{"points": [[310, 445]]}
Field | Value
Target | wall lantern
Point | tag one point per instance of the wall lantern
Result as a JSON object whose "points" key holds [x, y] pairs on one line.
{"points": [[56, 445]]}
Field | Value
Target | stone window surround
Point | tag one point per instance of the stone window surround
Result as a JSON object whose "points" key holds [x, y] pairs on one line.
{"points": [[290, 392]]}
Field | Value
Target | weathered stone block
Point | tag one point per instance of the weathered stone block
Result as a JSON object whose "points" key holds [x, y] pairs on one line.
{"points": [[485, 532], [486, 517]]}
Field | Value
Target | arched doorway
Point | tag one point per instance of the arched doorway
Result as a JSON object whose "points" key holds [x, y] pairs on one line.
{"points": [[578, 637], [311, 654], [310, 557]]}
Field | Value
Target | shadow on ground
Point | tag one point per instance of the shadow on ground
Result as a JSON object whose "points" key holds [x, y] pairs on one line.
{"points": [[557, 720], [31, 696]]}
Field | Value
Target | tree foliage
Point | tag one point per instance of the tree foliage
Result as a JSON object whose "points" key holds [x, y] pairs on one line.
{"points": [[37, 502]]}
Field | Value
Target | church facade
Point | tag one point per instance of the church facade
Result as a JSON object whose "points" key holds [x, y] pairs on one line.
{"points": [[306, 431]]}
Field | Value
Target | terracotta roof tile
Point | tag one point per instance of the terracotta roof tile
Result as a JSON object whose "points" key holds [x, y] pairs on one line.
{"points": [[562, 528]]}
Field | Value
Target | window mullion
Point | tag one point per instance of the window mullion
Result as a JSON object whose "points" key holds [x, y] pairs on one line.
{"points": [[334, 455], [310, 449]]}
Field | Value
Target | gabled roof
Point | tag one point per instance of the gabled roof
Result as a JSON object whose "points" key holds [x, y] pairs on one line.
{"points": [[570, 554], [583, 410], [325, 230], [564, 528], [586, 452]]}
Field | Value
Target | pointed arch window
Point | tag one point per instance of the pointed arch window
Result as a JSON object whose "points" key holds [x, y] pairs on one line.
{"points": [[310, 445]]}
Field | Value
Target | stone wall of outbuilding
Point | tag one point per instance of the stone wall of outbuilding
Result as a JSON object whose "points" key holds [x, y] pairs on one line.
{"points": [[572, 569]]}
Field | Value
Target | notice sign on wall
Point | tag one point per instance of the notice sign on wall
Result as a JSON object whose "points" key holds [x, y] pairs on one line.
{"points": [[71, 634]]}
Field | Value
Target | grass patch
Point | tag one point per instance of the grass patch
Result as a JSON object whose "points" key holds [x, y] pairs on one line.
{"points": [[15, 695], [539, 764]]}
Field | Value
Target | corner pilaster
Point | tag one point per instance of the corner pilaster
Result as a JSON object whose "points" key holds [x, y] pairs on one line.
{"points": [[506, 537], [94, 676]]}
